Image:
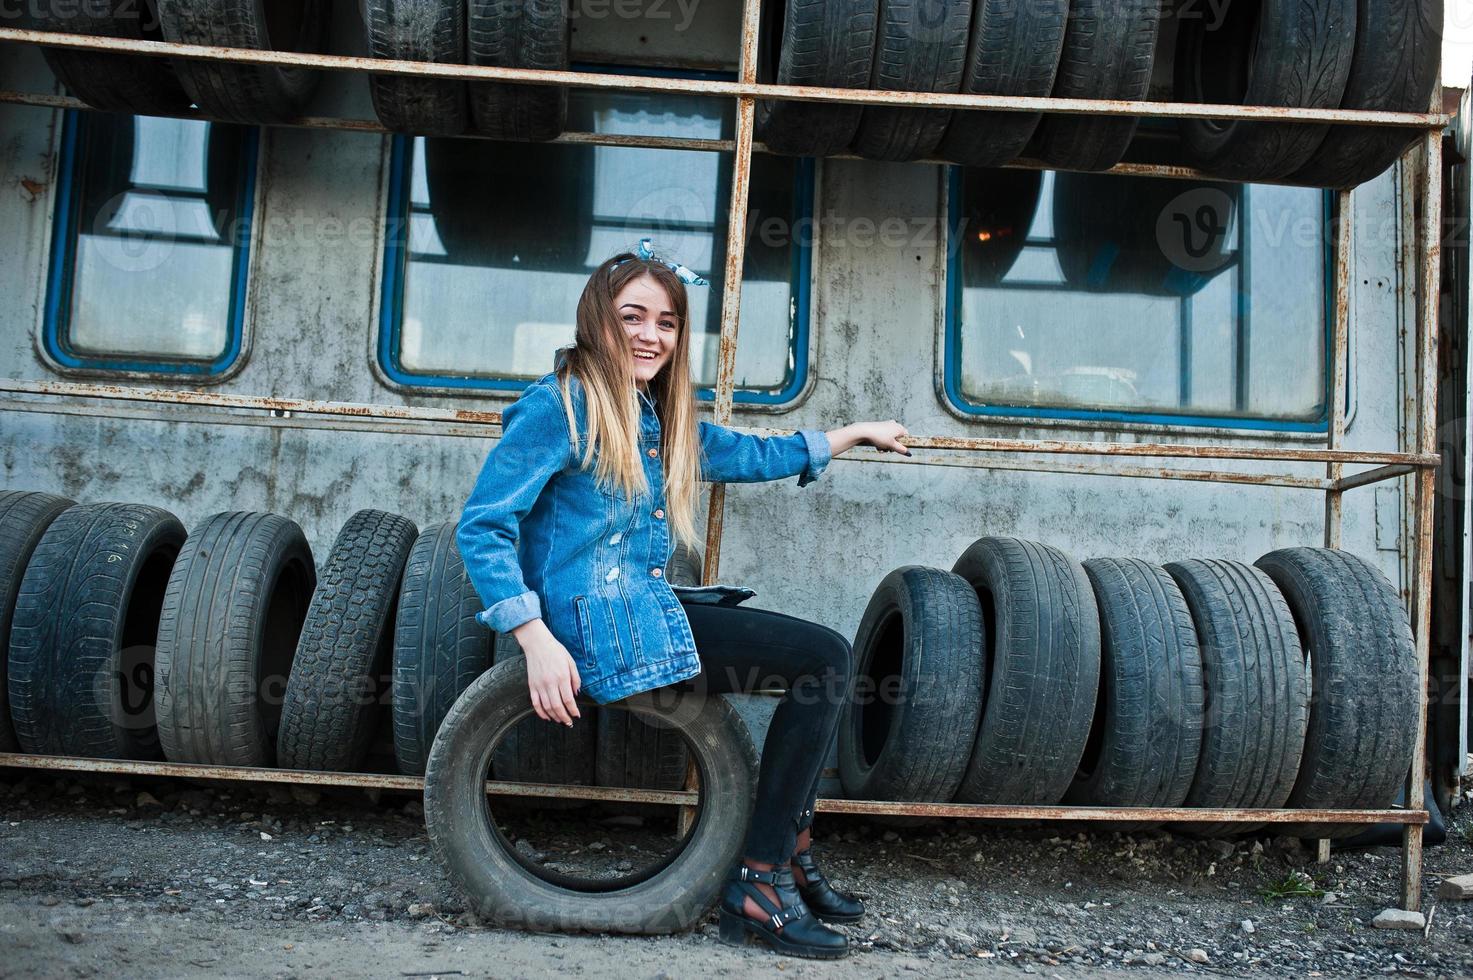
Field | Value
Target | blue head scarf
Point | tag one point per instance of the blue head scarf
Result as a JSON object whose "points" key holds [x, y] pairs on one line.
{"points": [[646, 251]]}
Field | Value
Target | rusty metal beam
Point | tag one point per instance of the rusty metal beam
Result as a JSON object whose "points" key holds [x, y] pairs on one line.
{"points": [[372, 128], [731, 293], [988, 462], [711, 87], [180, 396], [220, 399], [1374, 476], [687, 798]]}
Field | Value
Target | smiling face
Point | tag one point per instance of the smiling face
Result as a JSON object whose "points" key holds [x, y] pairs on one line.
{"points": [[649, 325]]}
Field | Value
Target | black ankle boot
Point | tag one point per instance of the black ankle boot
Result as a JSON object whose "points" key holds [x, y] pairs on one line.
{"points": [[826, 902], [789, 927]]}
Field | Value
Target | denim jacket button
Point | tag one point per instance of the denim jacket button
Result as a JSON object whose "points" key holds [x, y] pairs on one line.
{"points": [[656, 572], [654, 452], [659, 513]]}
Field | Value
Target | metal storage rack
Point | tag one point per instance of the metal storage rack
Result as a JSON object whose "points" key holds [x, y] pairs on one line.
{"points": [[1421, 168]]}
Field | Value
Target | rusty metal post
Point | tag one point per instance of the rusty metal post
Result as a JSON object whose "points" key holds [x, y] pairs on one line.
{"points": [[1428, 291], [731, 293], [1339, 356]]}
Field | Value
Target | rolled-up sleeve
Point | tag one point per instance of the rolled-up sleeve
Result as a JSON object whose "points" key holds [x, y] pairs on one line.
{"points": [[729, 456], [533, 448]]}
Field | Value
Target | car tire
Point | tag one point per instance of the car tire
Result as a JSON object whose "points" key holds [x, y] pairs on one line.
{"points": [[24, 518], [418, 30], [1393, 68], [505, 888], [231, 618], [1108, 53], [112, 82], [1274, 53], [1257, 694], [1014, 50], [439, 645], [518, 34], [921, 46], [247, 93], [338, 686], [1354, 632], [829, 43], [1147, 729], [1043, 637], [83, 634], [907, 732]]}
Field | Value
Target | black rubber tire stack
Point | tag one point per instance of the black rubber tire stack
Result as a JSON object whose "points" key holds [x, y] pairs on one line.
{"points": [[81, 658], [921, 46], [228, 630], [829, 43], [1014, 50], [24, 518], [1108, 53], [518, 34], [418, 30], [338, 688], [1257, 694], [506, 888], [1363, 667], [1274, 53], [439, 645], [919, 669], [112, 82], [1147, 730], [1043, 637], [247, 93]]}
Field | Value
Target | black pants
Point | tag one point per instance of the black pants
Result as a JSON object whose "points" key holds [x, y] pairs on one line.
{"points": [[745, 649]]}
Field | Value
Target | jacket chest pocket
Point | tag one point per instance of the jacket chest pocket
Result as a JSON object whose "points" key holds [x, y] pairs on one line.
{"points": [[585, 631]]}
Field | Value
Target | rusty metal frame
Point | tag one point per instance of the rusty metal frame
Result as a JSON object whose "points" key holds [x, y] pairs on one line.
{"points": [[1418, 464]]}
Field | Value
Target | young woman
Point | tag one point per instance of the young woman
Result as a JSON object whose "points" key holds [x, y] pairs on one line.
{"points": [[566, 535]]}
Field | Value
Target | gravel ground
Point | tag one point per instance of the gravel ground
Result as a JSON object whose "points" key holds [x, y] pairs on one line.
{"points": [[149, 878]]}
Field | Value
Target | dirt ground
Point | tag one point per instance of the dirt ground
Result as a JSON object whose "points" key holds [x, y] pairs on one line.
{"points": [[158, 878]]}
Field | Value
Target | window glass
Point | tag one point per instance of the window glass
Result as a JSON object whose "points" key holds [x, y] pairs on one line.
{"points": [[496, 240], [1076, 294], [151, 242]]}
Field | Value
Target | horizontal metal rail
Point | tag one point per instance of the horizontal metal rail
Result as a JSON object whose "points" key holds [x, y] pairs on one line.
{"points": [[381, 781], [718, 88], [575, 138], [63, 389]]}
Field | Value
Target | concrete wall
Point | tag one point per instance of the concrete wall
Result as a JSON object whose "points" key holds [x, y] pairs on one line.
{"points": [[815, 552]]}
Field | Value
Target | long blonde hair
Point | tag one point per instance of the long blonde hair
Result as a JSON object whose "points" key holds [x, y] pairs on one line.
{"points": [[600, 360]]}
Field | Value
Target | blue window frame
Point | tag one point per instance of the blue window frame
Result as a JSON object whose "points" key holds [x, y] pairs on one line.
{"points": [[1107, 298], [488, 246], [150, 245]]}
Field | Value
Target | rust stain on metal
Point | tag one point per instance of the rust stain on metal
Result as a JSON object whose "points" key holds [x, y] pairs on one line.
{"points": [[690, 797], [636, 83], [216, 399], [1373, 476], [1339, 352], [1428, 296]]}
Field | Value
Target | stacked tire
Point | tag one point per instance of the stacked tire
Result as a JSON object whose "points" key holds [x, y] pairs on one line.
{"points": [[120, 637], [1353, 54], [1022, 677]]}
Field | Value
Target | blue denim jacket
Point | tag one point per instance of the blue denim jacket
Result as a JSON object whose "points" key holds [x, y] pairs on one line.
{"points": [[539, 537]]}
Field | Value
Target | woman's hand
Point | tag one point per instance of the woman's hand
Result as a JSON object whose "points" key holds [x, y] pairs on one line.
{"points": [[884, 436], [552, 677]]}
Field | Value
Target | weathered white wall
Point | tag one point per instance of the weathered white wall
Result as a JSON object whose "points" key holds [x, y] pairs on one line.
{"points": [[815, 552]]}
